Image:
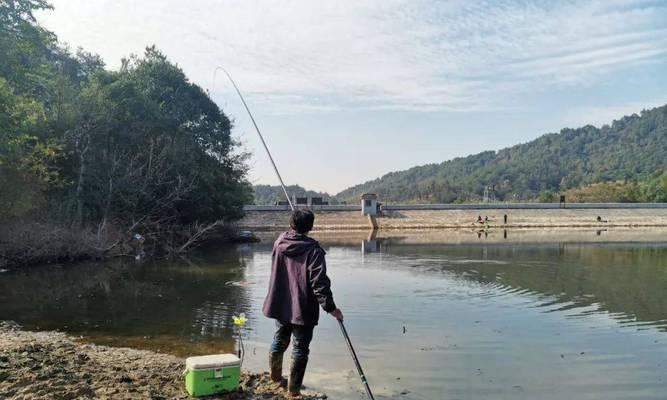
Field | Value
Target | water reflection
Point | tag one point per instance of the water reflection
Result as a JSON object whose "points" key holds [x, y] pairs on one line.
{"points": [[371, 244], [627, 281], [508, 314], [200, 295], [124, 301]]}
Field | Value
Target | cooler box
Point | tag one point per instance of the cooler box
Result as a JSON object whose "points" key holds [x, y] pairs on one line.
{"points": [[207, 375]]}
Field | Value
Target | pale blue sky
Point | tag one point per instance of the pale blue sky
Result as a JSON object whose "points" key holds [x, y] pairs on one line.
{"points": [[345, 91]]}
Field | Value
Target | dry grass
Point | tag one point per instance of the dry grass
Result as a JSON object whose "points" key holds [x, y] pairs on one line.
{"points": [[34, 243]]}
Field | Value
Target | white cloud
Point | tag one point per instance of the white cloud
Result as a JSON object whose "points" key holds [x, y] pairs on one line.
{"points": [[296, 56]]}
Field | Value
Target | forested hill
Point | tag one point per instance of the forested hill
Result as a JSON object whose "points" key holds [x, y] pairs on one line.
{"points": [[90, 145], [91, 156], [632, 148], [268, 194]]}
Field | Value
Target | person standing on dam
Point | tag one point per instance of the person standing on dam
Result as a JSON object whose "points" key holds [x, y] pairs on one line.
{"points": [[298, 287]]}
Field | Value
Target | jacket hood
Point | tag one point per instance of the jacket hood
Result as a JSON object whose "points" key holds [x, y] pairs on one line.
{"points": [[292, 243]]}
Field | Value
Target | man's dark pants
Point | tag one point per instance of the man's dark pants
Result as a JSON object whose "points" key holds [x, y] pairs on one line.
{"points": [[300, 349], [302, 338]]}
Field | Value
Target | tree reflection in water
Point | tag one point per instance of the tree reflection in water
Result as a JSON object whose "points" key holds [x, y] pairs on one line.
{"points": [[156, 305]]}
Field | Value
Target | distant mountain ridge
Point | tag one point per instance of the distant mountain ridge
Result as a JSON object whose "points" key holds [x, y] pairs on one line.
{"points": [[633, 148], [269, 194]]}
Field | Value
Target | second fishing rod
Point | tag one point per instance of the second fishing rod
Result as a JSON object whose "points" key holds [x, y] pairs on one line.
{"points": [[360, 371]]}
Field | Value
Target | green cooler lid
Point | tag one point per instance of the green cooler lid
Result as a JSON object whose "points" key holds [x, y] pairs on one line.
{"points": [[212, 361]]}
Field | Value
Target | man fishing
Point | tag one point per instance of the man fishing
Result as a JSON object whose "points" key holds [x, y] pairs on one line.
{"points": [[298, 286]]}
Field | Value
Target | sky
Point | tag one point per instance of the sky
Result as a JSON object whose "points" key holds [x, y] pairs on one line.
{"points": [[346, 91]]}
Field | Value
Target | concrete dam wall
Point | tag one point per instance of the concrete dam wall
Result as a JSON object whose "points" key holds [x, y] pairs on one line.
{"points": [[448, 216]]}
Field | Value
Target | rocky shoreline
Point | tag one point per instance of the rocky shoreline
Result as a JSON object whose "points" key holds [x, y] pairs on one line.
{"points": [[52, 365]]}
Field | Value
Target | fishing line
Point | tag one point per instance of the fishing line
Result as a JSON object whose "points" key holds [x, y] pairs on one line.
{"points": [[342, 327]]}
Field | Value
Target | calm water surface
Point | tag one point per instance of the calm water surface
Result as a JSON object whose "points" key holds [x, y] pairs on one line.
{"points": [[429, 321]]}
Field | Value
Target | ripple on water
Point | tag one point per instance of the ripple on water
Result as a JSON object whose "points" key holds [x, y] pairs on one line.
{"points": [[519, 322]]}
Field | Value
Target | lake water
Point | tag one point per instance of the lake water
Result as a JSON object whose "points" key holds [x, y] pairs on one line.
{"points": [[429, 320]]}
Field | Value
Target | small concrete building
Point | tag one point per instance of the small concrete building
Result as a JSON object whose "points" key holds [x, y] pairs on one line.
{"points": [[317, 201], [308, 201], [300, 201], [369, 204]]}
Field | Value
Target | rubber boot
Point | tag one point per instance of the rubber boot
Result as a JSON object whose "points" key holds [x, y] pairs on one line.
{"points": [[297, 372], [276, 366]]}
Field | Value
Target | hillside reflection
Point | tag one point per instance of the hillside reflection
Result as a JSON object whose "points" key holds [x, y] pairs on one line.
{"points": [[628, 281]]}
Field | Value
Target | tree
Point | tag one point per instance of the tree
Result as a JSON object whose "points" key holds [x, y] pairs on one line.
{"points": [[81, 147], [149, 113], [25, 162], [655, 189]]}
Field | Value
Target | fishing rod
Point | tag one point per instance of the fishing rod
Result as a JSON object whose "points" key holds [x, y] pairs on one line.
{"points": [[275, 168], [356, 360]]}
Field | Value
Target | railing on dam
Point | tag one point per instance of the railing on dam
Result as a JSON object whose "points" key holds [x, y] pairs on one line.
{"points": [[521, 206], [341, 207], [480, 206]]}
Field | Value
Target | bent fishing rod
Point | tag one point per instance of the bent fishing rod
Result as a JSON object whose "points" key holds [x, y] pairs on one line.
{"points": [[275, 168], [289, 201]]}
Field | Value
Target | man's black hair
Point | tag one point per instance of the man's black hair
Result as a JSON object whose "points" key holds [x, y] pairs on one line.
{"points": [[302, 221]]}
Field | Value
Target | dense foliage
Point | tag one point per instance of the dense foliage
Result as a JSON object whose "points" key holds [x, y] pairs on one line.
{"points": [[651, 190], [633, 148], [83, 146], [107, 144], [268, 194]]}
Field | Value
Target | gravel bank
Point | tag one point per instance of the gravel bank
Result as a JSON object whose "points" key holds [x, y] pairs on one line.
{"points": [[51, 365]]}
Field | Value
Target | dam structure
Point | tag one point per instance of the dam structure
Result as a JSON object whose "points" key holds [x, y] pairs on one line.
{"points": [[370, 214]]}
